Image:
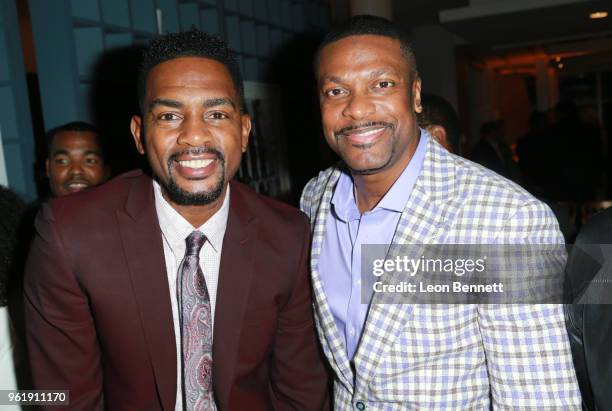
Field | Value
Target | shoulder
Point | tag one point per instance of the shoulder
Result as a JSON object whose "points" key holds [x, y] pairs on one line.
{"points": [[480, 182], [96, 202], [486, 202], [316, 187]]}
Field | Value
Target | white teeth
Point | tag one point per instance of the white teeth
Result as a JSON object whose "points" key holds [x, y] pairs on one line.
{"points": [[196, 163], [367, 132]]}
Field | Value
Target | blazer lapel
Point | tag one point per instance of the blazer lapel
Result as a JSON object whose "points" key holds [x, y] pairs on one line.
{"points": [[142, 241], [235, 274], [422, 222], [333, 346]]}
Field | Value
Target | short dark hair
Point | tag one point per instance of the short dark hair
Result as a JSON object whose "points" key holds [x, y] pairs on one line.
{"points": [[72, 126], [438, 111], [192, 43], [369, 25]]}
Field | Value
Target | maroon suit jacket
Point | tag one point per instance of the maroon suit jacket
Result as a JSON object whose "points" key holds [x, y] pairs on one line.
{"points": [[98, 313]]}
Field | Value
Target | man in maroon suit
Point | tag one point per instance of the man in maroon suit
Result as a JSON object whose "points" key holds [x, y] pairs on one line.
{"points": [[181, 291]]}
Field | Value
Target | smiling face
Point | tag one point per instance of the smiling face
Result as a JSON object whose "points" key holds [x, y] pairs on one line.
{"points": [[75, 162], [192, 130], [368, 102]]}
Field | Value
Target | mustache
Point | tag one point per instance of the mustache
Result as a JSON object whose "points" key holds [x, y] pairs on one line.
{"points": [[197, 151], [352, 127]]}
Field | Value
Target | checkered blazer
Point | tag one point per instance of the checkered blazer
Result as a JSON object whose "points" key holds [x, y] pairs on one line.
{"points": [[441, 357]]}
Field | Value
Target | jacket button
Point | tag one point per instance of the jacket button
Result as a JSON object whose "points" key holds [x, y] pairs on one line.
{"points": [[360, 405]]}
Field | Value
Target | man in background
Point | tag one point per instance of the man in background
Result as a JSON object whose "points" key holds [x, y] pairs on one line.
{"points": [[75, 159], [440, 120]]}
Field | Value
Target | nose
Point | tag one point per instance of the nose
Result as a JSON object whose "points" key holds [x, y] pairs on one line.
{"points": [[194, 132], [76, 169], [359, 106]]}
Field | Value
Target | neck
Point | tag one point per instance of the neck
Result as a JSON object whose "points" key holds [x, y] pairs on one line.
{"points": [[371, 188], [197, 215]]}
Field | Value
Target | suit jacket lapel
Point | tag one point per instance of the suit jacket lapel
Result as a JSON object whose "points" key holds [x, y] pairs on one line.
{"points": [[333, 346], [422, 222], [142, 241], [235, 274]]}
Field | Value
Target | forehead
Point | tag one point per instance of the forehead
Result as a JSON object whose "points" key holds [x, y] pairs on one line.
{"points": [[362, 52], [186, 73], [75, 141]]}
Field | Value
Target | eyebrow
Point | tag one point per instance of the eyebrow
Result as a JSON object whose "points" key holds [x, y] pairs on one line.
{"points": [[373, 74], [380, 72], [211, 102], [333, 79], [66, 152], [220, 101]]}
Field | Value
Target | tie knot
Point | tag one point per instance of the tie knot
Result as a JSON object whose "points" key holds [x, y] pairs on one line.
{"points": [[195, 241]]}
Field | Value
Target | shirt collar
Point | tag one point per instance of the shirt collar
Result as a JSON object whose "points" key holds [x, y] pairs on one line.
{"points": [[343, 201], [176, 229]]}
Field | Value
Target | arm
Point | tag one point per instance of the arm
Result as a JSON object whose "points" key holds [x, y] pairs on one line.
{"points": [[527, 348], [299, 377], [60, 330]]}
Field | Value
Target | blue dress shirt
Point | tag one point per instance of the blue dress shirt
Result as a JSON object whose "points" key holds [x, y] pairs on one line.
{"points": [[346, 230]]}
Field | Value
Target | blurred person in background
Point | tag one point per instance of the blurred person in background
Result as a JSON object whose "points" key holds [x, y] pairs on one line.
{"points": [[75, 159], [12, 360], [440, 119]]}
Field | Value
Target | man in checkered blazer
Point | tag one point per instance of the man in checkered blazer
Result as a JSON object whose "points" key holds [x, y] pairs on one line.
{"points": [[396, 185]]}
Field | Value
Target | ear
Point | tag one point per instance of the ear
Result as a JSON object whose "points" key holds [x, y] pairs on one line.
{"points": [[47, 167], [136, 129], [439, 134], [416, 95], [245, 132]]}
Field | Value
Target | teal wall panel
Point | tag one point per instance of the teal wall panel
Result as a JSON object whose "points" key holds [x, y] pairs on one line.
{"points": [[263, 40], [246, 7], [251, 69], [116, 12], [4, 58], [209, 21], [17, 170], [88, 46], [8, 115], [15, 118], [274, 11], [85, 96], [232, 27], [189, 14], [85, 9], [231, 5], [58, 76], [116, 40], [248, 37], [260, 10], [143, 15], [286, 14], [299, 23], [170, 16]]}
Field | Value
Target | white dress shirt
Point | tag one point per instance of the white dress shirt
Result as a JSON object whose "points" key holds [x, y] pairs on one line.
{"points": [[175, 229]]}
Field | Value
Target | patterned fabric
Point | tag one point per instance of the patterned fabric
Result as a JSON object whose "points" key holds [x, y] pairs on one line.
{"points": [[174, 230], [440, 357], [196, 326]]}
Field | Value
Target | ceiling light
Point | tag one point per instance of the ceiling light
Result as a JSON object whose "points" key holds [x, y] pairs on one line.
{"points": [[599, 15], [560, 65], [557, 59]]}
